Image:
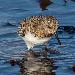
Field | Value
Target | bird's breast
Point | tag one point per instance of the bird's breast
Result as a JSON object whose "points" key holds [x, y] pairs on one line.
{"points": [[34, 40]]}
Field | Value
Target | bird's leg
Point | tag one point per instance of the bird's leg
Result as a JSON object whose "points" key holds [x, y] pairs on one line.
{"points": [[30, 54], [31, 51], [57, 37], [33, 54], [45, 52]]}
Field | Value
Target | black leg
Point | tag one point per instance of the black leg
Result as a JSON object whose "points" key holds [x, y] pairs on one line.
{"points": [[44, 52], [57, 37]]}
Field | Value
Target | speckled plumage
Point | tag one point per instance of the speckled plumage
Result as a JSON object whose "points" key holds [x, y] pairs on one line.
{"points": [[41, 26], [38, 26]]}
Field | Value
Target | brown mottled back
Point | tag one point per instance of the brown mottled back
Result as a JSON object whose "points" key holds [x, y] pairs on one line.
{"points": [[40, 26]]}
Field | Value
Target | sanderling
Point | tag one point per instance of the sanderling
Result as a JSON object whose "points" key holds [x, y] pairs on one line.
{"points": [[37, 30]]}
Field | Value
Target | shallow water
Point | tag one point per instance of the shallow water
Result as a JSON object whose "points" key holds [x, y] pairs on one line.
{"points": [[12, 46]]}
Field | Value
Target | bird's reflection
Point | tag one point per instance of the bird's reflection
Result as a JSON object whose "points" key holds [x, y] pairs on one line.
{"points": [[37, 65]]}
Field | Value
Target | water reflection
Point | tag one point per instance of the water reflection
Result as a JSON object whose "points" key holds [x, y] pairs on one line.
{"points": [[32, 65]]}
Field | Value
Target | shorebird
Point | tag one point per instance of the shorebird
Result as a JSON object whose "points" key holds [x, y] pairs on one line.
{"points": [[37, 30]]}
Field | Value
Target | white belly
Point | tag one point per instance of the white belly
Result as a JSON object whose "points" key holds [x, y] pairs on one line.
{"points": [[30, 40]]}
